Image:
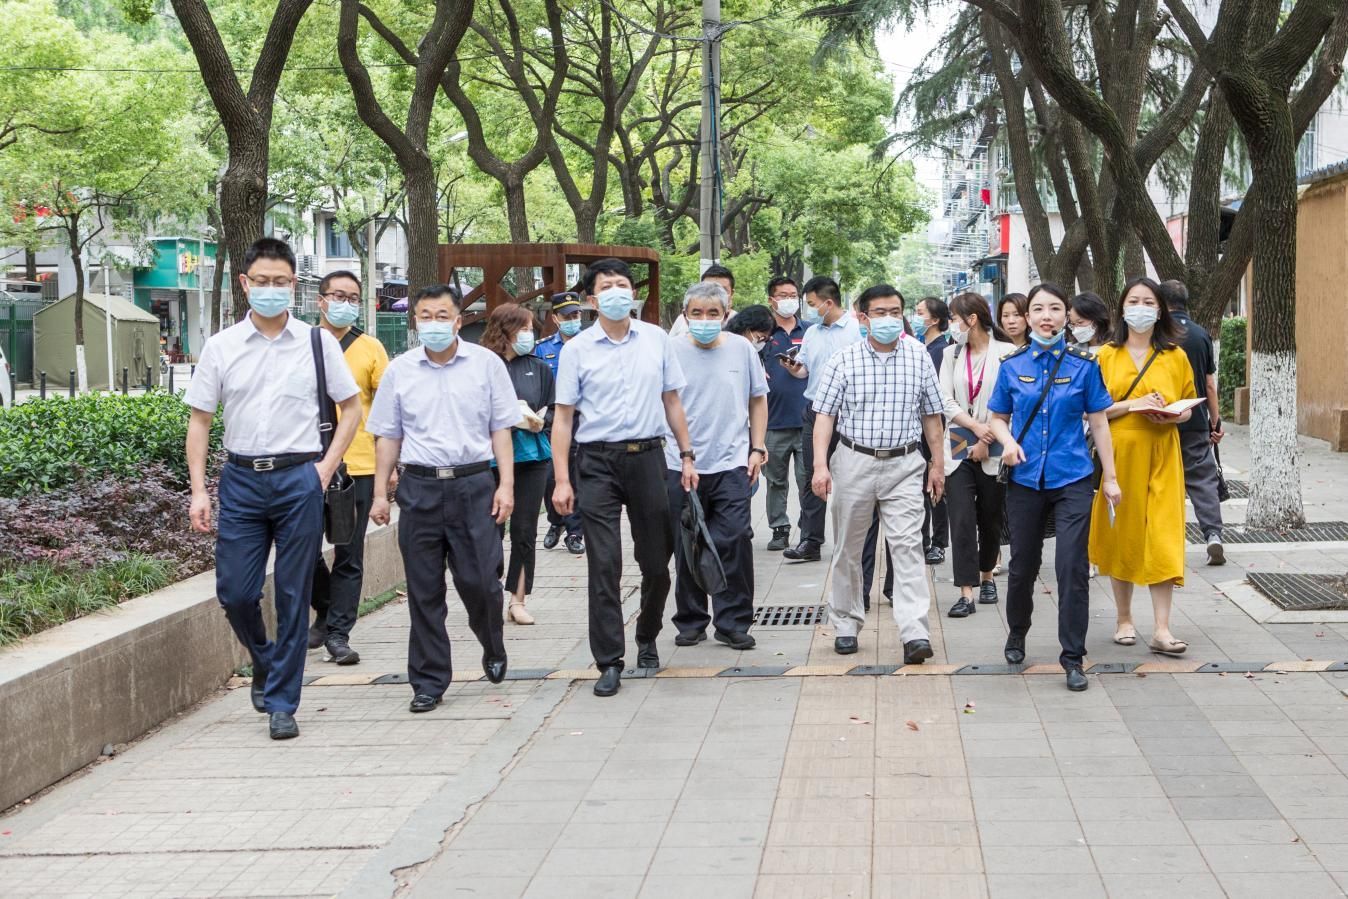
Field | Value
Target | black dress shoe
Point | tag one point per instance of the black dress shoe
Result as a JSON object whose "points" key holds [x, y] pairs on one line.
{"points": [[935, 555], [552, 537], [340, 651], [781, 539], [689, 638], [610, 680], [495, 669], [575, 544], [423, 702], [647, 655], [318, 632], [1076, 680], [736, 639], [804, 551], [258, 689], [1015, 650], [987, 593], [962, 608], [915, 652], [844, 646], [283, 727]]}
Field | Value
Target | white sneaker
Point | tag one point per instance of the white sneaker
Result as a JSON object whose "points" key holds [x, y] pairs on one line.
{"points": [[1216, 552]]}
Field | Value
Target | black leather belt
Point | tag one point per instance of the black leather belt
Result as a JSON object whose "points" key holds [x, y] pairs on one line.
{"points": [[448, 471], [894, 453], [272, 463], [630, 446]]}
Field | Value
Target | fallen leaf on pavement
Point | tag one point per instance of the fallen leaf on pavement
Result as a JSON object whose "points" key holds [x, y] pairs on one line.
{"points": [[911, 725], [1249, 675], [855, 720]]}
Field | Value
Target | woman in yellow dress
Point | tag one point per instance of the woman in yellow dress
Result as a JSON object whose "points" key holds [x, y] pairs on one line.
{"points": [[1143, 542]]}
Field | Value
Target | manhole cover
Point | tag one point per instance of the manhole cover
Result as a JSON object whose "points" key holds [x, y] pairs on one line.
{"points": [[1316, 532], [789, 616], [1303, 592], [1239, 489]]}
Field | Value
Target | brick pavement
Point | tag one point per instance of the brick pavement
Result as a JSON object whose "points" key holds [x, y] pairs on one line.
{"points": [[809, 786]]}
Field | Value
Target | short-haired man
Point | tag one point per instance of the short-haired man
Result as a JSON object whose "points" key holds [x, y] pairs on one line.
{"points": [[833, 329], [1200, 435], [882, 396], [715, 274], [262, 371], [622, 378], [336, 593], [444, 412], [725, 400], [566, 316], [786, 411], [931, 323]]}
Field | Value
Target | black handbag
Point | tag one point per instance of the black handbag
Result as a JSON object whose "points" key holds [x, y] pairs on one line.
{"points": [[1223, 491], [699, 553], [1004, 470], [339, 500]]}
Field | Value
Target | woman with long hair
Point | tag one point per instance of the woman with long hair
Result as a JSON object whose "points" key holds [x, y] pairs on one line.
{"points": [[510, 334], [1012, 310], [1088, 321], [973, 494], [1142, 542]]}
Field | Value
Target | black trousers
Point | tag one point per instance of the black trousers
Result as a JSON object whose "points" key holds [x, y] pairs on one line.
{"points": [[936, 522], [868, 562], [571, 522], [812, 509], [977, 507], [610, 479], [725, 501], [531, 479], [336, 594], [1028, 510], [448, 521]]}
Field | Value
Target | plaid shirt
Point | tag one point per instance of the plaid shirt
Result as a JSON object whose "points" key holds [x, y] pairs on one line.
{"points": [[879, 400]]}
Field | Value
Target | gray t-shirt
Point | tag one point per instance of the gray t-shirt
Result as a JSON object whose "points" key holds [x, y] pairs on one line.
{"points": [[716, 402]]}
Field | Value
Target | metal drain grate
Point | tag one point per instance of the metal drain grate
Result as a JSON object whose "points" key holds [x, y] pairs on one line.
{"points": [[1239, 489], [1318, 532], [789, 616], [1303, 592]]}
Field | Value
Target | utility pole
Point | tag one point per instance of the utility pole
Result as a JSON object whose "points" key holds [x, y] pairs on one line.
{"points": [[710, 196], [371, 238]]}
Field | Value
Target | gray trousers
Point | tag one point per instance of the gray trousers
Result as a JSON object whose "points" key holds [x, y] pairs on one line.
{"points": [[782, 445], [1200, 480], [861, 484]]}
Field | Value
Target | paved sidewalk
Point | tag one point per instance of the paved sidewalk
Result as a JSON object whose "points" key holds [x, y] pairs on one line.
{"points": [[814, 785]]}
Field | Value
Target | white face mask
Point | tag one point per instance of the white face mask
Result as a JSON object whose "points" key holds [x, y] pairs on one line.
{"points": [[958, 332], [758, 345], [1083, 333], [788, 308], [1141, 318]]}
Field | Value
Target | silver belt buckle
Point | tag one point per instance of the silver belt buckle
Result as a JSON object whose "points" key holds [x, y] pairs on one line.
{"points": [[883, 454], [267, 464], [443, 473], [634, 447]]}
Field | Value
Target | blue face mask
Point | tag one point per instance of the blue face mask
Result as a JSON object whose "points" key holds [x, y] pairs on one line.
{"points": [[810, 314], [524, 343], [436, 336], [615, 303], [705, 332], [918, 325], [569, 327], [342, 315], [886, 330], [269, 302], [864, 332], [1045, 341]]}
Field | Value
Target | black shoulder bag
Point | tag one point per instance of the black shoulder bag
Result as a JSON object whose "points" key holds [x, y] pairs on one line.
{"points": [[339, 500], [1004, 471], [1099, 472]]}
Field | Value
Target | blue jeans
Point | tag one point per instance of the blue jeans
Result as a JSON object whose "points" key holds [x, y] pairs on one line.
{"points": [[259, 509]]}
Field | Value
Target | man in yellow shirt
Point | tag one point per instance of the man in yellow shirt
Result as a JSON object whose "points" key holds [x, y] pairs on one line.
{"points": [[336, 593]]}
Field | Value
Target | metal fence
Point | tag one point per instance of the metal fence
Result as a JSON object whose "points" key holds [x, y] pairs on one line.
{"points": [[16, 332]]}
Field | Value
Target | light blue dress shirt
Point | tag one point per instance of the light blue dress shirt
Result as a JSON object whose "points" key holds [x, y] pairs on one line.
{"points": [[821, 342], [616, 387], [444, 414]]}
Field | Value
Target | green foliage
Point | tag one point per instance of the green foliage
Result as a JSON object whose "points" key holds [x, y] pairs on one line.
{"points": [[45, 444], [40, 595], [1230, 364]]}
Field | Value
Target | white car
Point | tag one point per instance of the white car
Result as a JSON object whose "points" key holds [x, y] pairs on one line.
{"points": [[6, 386]]}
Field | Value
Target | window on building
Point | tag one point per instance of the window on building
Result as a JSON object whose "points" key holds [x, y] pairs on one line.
{"points": [[1306, 151], [338, 244]]}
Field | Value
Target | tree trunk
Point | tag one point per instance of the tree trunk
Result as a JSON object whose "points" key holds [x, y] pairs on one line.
{"points": [[243, 208], [30, 263], [423, 229], [77, 259], [517, 214], [217, 283]]}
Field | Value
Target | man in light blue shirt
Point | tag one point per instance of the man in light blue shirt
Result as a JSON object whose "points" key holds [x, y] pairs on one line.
{"points": [[727, 404], [622, 378], [834, 329]]}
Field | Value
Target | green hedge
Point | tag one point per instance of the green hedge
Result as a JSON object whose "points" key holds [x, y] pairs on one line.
{"points": [[40, 595], [1230, 364], [46, 444]]}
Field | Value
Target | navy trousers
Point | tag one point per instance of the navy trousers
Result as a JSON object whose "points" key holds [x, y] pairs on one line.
{"points": [[259, 510], [725, 502]]}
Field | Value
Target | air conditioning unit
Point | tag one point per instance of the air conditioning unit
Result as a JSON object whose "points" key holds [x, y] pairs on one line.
{"points": [[307, 263]]}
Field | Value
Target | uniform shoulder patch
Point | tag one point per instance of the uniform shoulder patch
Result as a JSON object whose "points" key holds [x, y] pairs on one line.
{"points": [[1016, 352], [1082, 354]]}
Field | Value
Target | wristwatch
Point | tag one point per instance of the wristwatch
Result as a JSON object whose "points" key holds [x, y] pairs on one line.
{"points": [[758, 449], [689, 455]]}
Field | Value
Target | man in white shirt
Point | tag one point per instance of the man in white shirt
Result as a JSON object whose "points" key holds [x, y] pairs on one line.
{"points": [[262, 372], [726, 402]]}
